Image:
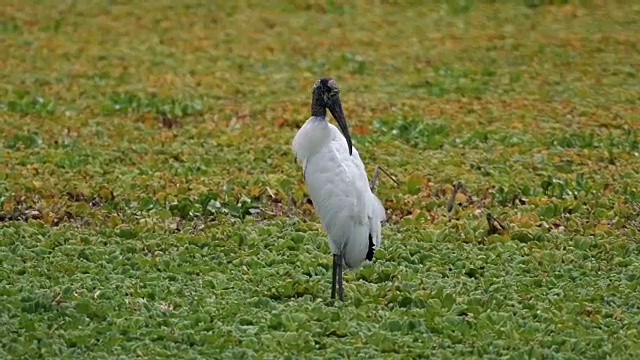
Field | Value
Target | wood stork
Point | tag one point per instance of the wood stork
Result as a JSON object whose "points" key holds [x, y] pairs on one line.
{"points": [[336, 179]]}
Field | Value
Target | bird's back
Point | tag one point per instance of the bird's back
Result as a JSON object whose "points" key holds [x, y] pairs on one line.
{"points": [[339, 188]]}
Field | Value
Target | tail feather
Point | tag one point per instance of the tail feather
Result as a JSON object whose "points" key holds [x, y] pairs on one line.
{"points": [[376, 215], [372, 249]]}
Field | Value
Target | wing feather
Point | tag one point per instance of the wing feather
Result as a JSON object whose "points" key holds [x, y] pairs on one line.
{"points": [[339, 188]]}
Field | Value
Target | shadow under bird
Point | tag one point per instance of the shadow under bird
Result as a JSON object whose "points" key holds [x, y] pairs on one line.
{"points": [[337, 182]]}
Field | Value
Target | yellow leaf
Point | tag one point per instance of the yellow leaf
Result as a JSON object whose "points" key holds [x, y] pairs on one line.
{"points": [[7, 206], [414, 184], [447, 189], [255, 191], [525, 221], [538, 201], [602, 227], [105, 194], [114, 221], [47, 217]]}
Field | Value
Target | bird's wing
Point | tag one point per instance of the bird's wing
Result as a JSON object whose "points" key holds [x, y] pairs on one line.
{"points": [[375, 211], [338, 188]]}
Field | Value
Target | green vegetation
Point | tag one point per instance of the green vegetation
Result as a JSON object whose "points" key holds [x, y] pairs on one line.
{"points": [[145, 173]]}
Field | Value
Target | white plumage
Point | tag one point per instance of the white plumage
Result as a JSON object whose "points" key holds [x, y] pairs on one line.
{"points": [[339, 188], [337, 182]]}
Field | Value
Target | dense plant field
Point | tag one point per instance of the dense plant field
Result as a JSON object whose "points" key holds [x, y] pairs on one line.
{"points": [[150, 205]]}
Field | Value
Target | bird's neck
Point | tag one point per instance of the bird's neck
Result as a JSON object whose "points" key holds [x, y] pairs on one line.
{"points": [[318, 109], [312, 137]]}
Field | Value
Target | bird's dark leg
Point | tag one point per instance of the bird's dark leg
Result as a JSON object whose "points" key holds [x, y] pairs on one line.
{"points": [[340, 280], [336, 258]]}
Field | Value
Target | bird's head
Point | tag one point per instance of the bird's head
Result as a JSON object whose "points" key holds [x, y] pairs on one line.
{"points": [[326, 95]]}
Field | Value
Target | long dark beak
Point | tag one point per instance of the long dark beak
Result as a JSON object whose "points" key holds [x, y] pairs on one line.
{"points": [[335, 108]]}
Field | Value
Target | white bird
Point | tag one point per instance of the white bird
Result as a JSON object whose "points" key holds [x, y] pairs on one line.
{"points": [[337, 182]]}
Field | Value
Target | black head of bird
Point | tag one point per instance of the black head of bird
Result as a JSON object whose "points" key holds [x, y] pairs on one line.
{"points": [[326, 95]]}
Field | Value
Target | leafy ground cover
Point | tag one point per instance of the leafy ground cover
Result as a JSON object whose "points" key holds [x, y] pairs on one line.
{"points": [[146, 169]]}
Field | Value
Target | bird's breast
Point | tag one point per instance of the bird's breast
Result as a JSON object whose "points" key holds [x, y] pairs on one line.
{"points": [[337, 188]]}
